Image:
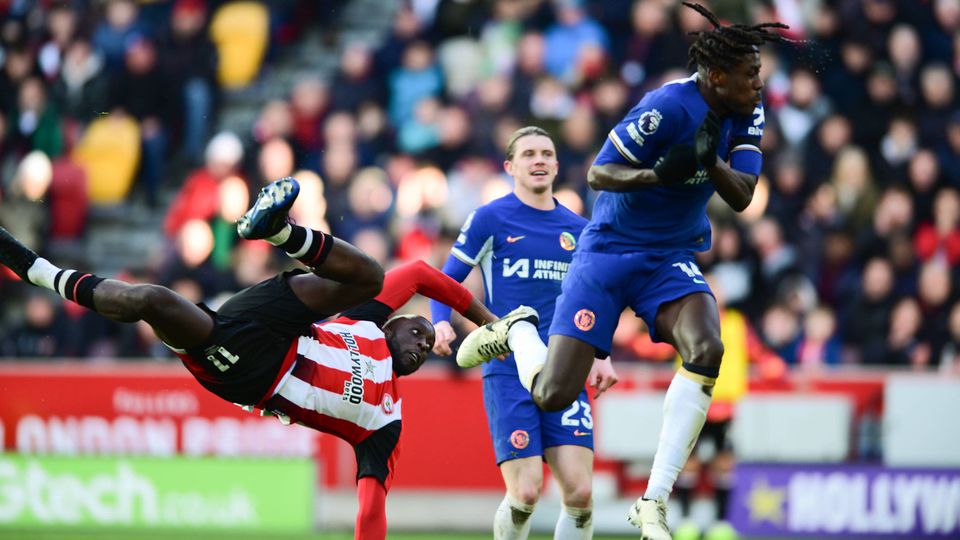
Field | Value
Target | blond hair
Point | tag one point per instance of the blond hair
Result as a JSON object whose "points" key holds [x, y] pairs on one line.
{"points": [[523, 132]]}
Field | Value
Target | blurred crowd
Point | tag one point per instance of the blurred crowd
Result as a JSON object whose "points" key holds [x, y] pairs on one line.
{"points": [[849, 254]]}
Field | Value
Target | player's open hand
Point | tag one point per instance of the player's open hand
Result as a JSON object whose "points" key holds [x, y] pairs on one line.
{"points": [[677, 165], [708, 139], [445, 336], [602, 376]]}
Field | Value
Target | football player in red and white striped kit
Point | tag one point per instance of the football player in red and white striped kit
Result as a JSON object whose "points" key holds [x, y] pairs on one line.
{"points": [[263, 348], [343, 380]]}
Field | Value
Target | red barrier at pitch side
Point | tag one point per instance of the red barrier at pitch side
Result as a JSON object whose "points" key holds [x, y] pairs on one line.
{"points": [[70, 408]]}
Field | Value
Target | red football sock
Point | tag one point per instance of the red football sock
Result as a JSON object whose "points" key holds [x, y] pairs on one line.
{"points": [[372, 516]]}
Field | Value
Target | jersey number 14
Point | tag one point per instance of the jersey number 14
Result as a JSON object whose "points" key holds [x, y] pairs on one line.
{"points": [[691, 270]]}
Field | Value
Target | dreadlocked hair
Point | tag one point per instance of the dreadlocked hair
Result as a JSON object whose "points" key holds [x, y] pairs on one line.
{"points": [[725, 46]]}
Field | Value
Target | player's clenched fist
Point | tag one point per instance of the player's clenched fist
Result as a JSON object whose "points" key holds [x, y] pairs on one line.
{"points": [[677, 165], [708, 139]]}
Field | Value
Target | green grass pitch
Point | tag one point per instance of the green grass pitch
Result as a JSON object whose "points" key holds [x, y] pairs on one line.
{"points": [[342, 535]]}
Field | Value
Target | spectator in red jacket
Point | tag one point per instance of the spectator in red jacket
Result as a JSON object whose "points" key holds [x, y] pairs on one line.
{"points": [[941, 238], [199, 197]]}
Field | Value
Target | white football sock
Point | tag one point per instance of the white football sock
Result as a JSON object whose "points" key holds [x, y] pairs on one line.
{"points": [[42, 273], [528, 350], [574, 523], [504, 525], [281, 236], [684, 412]]}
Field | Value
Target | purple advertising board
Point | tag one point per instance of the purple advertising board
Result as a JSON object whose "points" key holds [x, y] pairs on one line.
{"points": [[864, 501]]}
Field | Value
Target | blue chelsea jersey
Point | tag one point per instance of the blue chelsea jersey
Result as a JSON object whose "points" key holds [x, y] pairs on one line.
{"points": [[523, 254], [666, 217]]}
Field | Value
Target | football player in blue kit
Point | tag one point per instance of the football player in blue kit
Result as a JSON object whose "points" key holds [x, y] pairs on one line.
{"points": [[656, 171], [523, 243]]}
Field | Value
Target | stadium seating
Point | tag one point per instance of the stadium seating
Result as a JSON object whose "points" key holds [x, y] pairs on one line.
{"points": [[109, 153], [240, 31]]}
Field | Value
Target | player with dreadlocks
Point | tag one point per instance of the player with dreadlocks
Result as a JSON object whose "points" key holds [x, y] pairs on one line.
{"points": [[657, 170]]}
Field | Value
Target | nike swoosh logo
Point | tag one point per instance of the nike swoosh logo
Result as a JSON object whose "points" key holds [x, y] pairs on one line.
{"points": [[700, 281], [578, 433], [512, 239]]}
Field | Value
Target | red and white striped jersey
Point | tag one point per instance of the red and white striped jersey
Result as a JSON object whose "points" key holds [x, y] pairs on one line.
{"points": [[342, 382]]}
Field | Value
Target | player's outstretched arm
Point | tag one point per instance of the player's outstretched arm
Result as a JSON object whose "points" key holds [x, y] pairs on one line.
{"points": [[477, 313], [418, 277], [440, 312]]}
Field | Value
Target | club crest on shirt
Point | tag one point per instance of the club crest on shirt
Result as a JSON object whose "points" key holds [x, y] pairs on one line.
{"points": [[567, 241], [649, 121], [519, 439], [387, 404], [584, 320]]}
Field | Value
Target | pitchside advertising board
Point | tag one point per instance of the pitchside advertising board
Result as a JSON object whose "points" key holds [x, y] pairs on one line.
{"points": [[149, 410], [845, 501], [144, 446], [156, 493]]}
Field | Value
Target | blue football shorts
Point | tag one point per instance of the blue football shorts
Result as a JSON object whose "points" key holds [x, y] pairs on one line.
{"points": [[598, 287], [520, 429]]}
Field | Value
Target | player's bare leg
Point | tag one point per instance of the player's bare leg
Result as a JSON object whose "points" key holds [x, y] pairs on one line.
{"points": [[347, 278], [523, 478], [692, 325], [564, 373], [175, 320], [342, 275], [572, 467]]}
